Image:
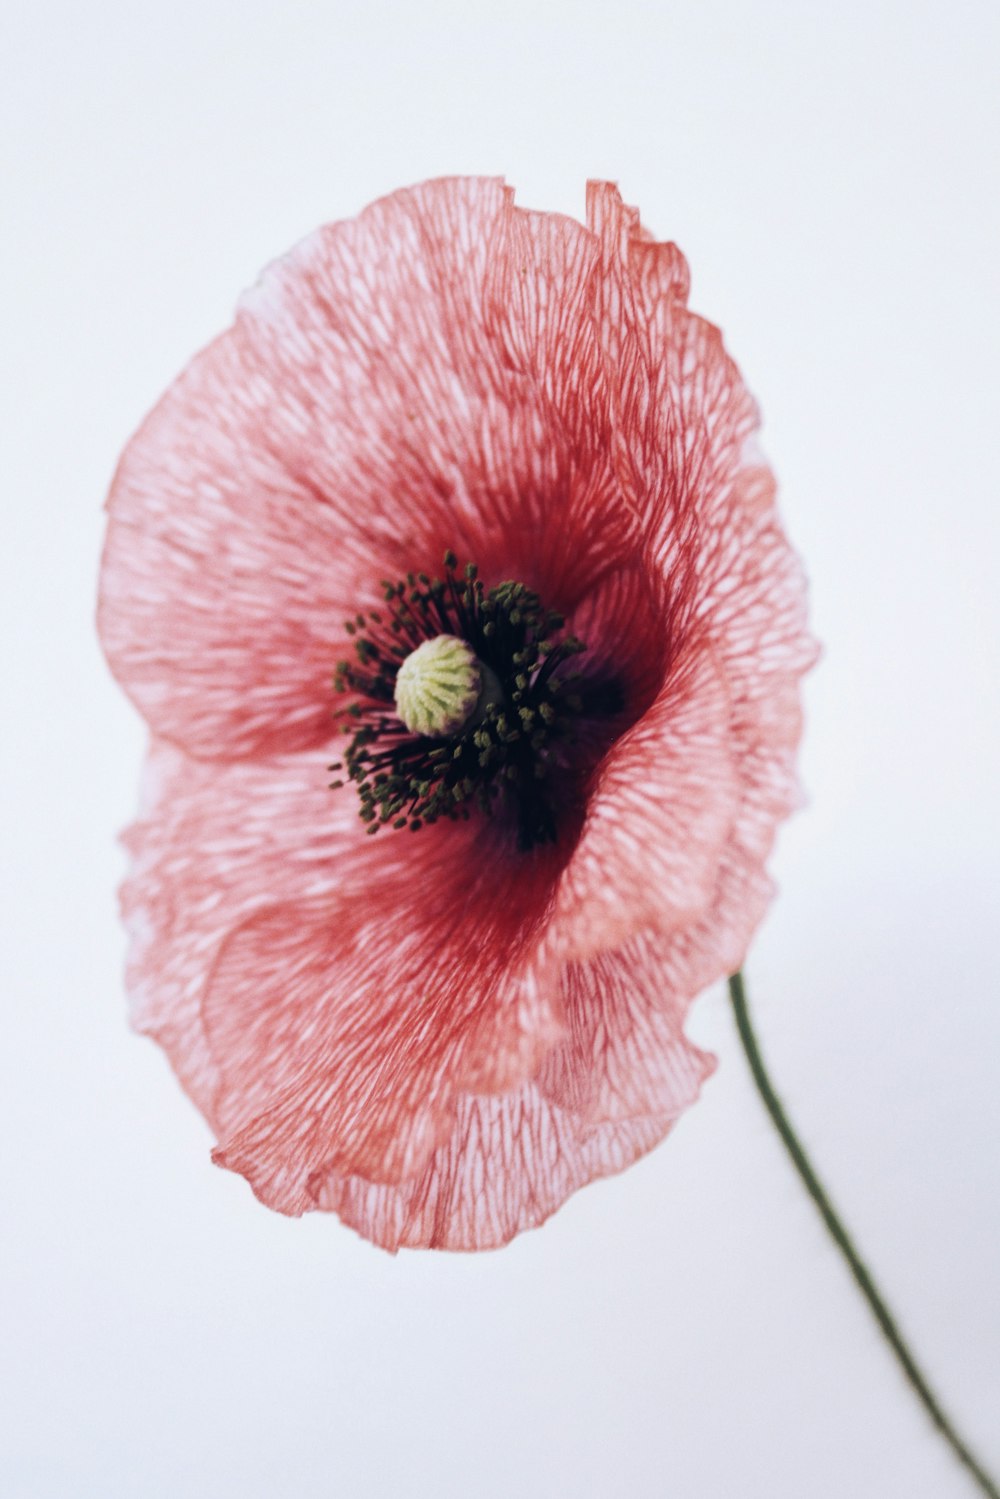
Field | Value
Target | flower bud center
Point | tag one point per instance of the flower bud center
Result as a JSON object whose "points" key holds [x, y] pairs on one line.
{"points": [[438, 687], [487, 674]]}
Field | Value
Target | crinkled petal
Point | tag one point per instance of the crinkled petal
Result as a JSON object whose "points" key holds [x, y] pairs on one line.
{"points": [[424, 376], [606, 1094], [681, 411], [212, 846], [754, 610], [684, 424], [291, 964], [658, 815], [624, 1054], [226, 580], [344, 1031]]}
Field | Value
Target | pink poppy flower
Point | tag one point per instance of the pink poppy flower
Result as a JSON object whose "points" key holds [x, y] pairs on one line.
{"points": [[441, 1031]]}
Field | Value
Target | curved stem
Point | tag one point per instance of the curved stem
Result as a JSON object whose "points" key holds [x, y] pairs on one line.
{"points": [[842, 1239]]}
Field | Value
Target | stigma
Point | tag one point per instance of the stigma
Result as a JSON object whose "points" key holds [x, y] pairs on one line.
{"points": [[442, 688]]}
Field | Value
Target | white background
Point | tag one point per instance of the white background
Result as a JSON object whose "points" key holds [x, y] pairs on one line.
{"points": [[684, 1330]]}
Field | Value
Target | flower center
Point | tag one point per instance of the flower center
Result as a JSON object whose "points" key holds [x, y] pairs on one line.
{"points": [[461, 698]]}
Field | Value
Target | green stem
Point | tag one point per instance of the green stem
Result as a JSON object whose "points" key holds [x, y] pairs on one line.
{"points": [[842, 1239]]}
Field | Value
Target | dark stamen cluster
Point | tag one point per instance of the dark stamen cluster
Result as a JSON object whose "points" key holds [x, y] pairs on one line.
{"points": [[406, 780]]}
